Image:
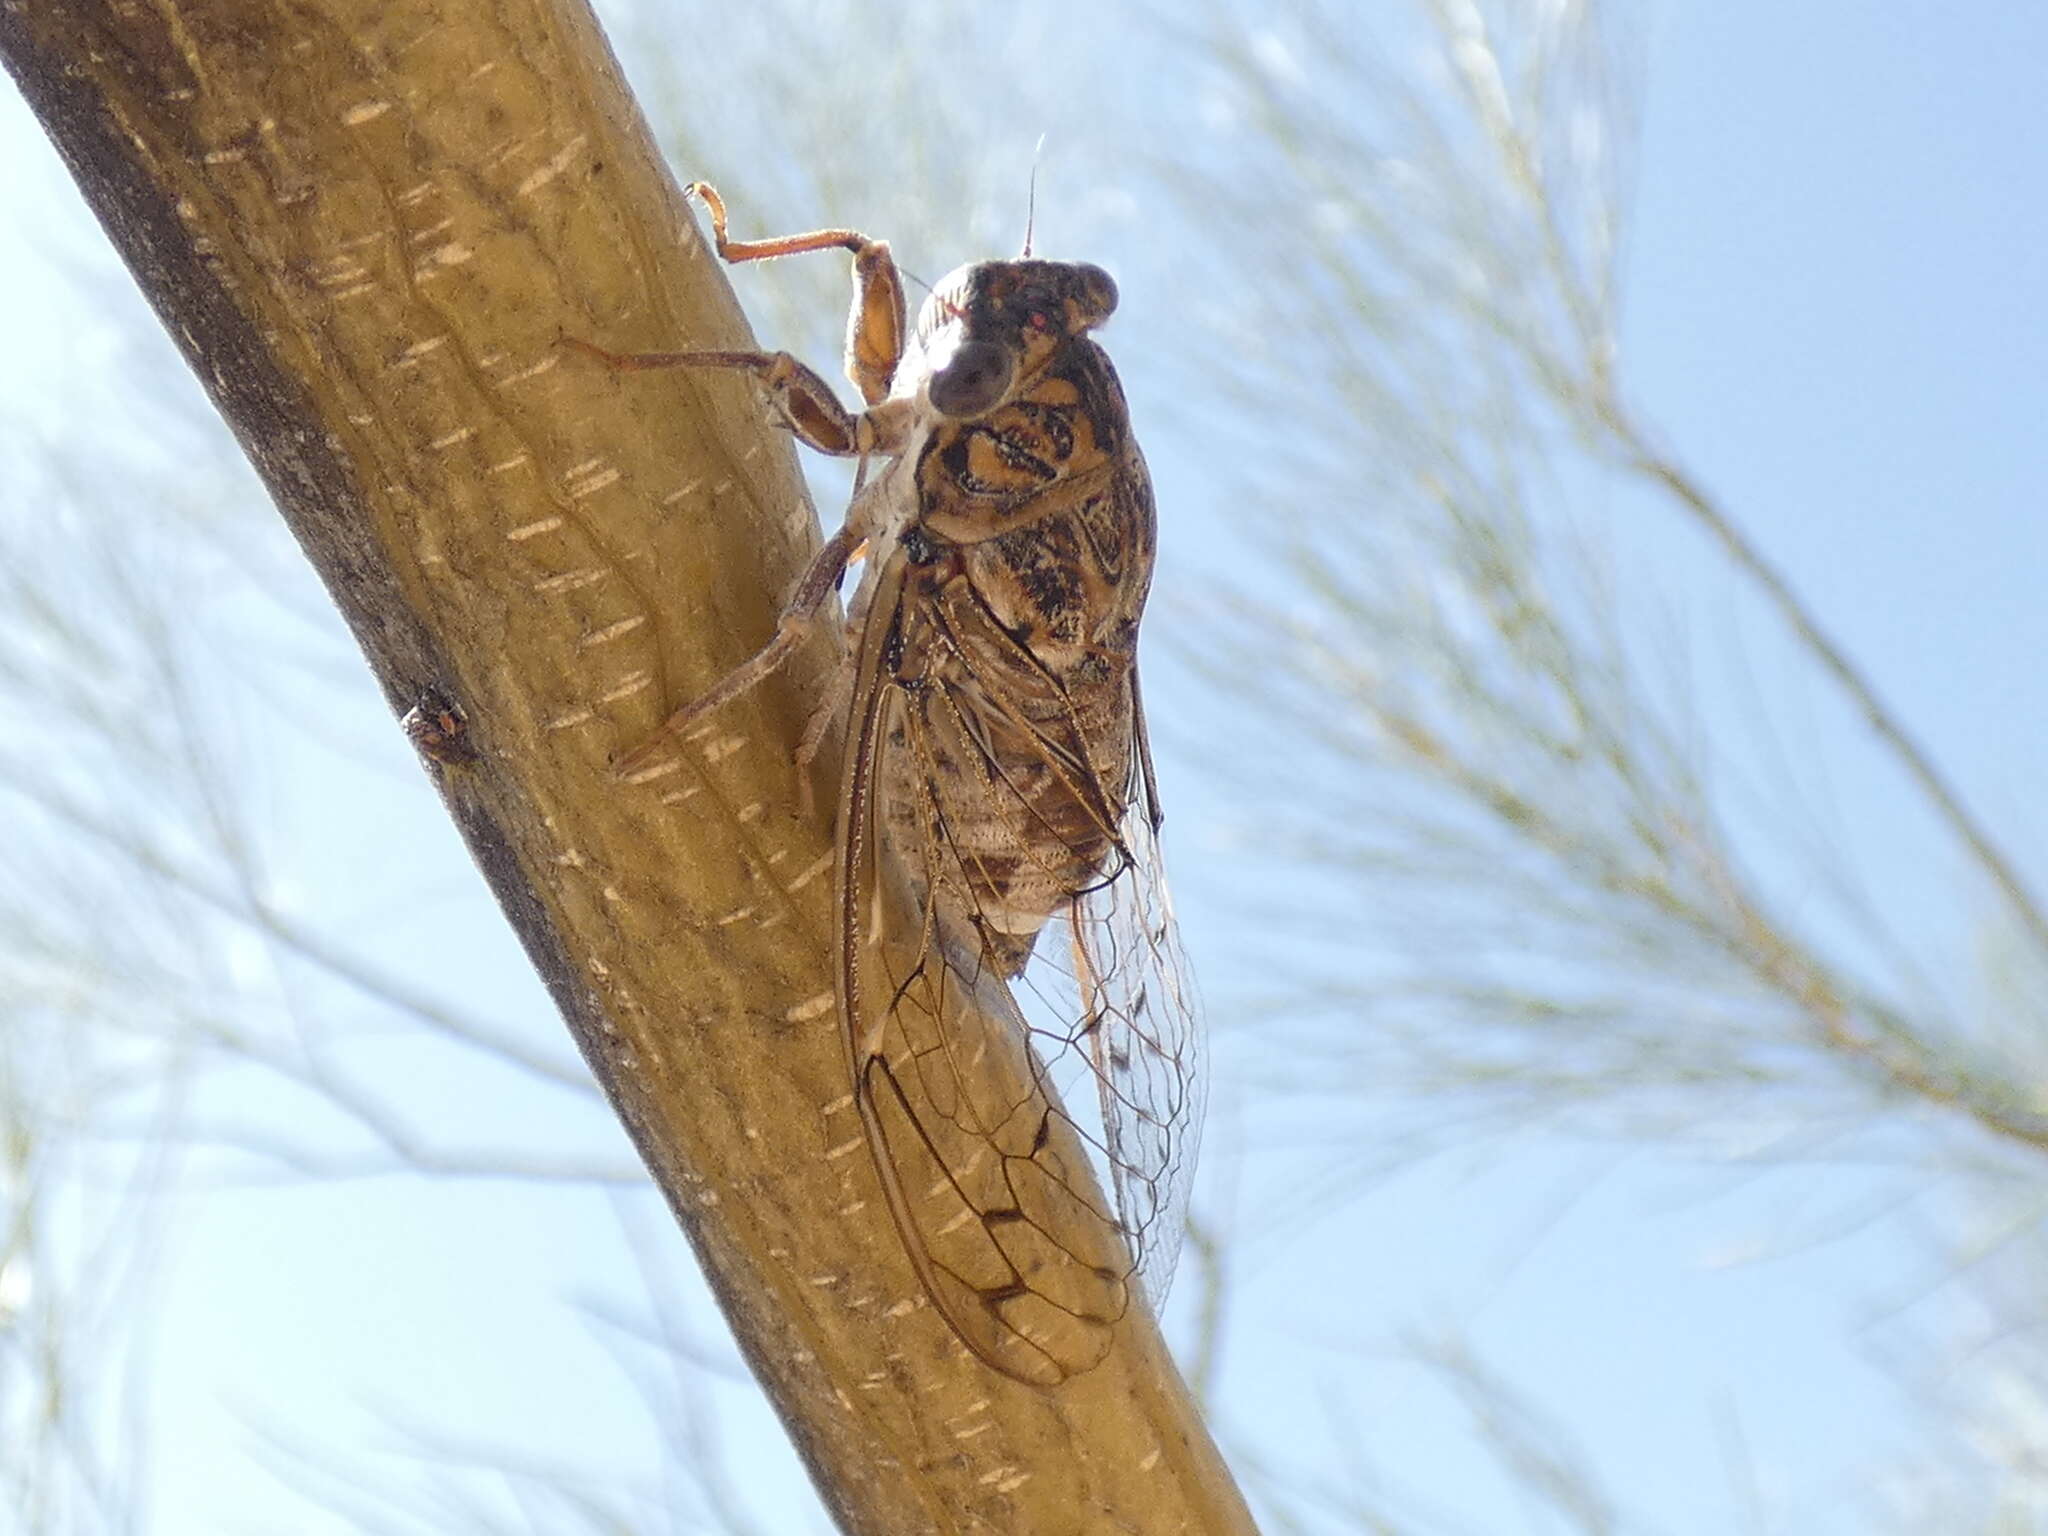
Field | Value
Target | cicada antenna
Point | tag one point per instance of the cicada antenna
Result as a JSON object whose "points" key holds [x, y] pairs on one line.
{"points": [[1031, 198]]}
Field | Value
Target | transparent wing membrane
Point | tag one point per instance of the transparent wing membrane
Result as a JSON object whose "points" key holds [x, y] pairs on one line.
{"points": [[1000, 1110]]}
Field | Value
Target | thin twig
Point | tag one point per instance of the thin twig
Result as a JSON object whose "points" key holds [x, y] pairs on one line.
{"points": [[1801, 620]]}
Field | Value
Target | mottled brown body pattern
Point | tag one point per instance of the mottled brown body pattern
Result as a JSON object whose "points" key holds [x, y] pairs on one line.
{"points": [[1040, 553], [996, 818]]}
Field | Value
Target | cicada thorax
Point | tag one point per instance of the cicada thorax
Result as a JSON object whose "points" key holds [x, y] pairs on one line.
{"points": [[1031, 558]]}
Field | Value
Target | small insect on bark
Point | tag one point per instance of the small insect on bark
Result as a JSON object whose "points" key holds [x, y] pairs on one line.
{"points": [[997, 859], [437, 730]]}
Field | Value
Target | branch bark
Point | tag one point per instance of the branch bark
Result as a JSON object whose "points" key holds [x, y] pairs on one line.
{"points": [[368, 223]]}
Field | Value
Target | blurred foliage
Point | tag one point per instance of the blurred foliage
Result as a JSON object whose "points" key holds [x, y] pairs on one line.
{"points": [[1504, 775], [1524, 875]]}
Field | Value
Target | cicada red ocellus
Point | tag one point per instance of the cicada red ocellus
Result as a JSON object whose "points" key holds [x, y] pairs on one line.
{"points": [[997, 854]]}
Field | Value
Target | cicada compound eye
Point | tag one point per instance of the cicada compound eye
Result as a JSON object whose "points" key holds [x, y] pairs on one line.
{"points": [[973, 380], [1096, 300]]}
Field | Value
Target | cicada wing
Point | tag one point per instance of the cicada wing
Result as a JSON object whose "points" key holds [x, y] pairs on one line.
{"points": [[1145, 1034], [988, 1181], [1109, 994]]}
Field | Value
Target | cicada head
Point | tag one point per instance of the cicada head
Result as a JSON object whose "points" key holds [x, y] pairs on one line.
{"points": [[992, 325]]}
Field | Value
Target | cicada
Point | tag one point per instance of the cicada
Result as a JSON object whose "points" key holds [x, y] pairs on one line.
{"points": [[1003, 929]]}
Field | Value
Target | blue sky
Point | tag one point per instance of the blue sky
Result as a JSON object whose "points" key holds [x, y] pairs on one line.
{"points": [[1835, 312]]}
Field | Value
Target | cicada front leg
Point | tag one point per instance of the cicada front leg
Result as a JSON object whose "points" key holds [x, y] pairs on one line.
{"points": [[875, 329], [874, 344]]}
